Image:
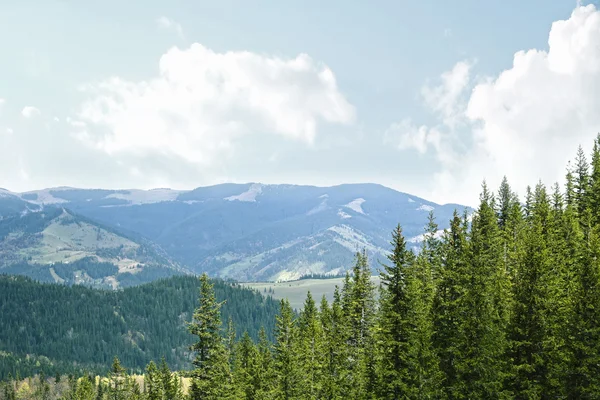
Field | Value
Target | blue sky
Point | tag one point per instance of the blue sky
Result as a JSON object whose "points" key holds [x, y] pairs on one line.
{"points": [[426, 97]]}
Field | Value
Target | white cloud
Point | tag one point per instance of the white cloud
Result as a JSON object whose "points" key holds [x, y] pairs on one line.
{"points": [[203, 101], [406, 135], [446, 99], [30, 112], [526, 122], [167, 23]]}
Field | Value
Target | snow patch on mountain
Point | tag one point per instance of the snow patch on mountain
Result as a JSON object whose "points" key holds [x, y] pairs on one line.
{"points": [[410, 200], [137, 196], [249, 195], [425, 207], [6, 193], [351, 238], [356, 205], [321, 207], [420, 238], [343, 215], [45, 197]]}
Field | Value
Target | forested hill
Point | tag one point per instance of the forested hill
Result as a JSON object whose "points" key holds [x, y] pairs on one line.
{"points": [[74, 328], [58, 245]]}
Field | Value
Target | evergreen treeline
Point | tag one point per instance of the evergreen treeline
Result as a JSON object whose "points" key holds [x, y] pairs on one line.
{"points": [[506, 304], [68, 329]]}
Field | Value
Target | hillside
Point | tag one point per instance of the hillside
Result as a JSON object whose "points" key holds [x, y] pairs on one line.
{"points": [[74, 328], [57, 245], [256, 232]]}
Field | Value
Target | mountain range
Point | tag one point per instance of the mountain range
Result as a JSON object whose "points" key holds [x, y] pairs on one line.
{"points": [[247, 232]]}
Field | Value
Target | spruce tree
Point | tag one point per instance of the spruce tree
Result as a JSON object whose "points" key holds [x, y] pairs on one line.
{"points": [[358, 298], [117, 378], [424, 380], [212, 375], [286, 356], [529, 331], [311, 350], [448, 304], [594, 183], [336, 351], [582, 181], [394, 368], [584, 367], [264, 375], [483, 315], [153, 383], [246, 359]]}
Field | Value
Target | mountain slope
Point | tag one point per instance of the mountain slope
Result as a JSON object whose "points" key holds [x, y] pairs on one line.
{"points": [[55, 244], [74, 328], [259, 232]]}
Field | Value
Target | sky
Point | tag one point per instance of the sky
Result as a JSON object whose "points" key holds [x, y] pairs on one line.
{"points": [[429, 98]]}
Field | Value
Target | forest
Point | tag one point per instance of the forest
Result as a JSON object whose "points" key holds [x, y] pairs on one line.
{"points": [[62, 329], [506, 304]]}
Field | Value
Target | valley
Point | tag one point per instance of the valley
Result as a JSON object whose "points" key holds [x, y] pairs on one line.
{"points": [[295, 291]]}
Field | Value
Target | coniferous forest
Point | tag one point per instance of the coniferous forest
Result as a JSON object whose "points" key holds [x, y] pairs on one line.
{"points": [[505, 304]]}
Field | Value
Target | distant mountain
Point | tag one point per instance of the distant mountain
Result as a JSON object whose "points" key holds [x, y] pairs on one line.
{"points": [[54, 244], [254, 231]]}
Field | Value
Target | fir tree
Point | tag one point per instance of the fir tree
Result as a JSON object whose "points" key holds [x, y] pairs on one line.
{"points": [[212, 376], [358, 298], [393, 321], [153, 383], [286, 356], [530, 344], [263, 374], [449, 302], [483, 314], [117, 378], [310, 349], [584, 345], [245, 365]]}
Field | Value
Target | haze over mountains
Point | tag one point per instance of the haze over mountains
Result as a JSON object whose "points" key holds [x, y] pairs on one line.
{"points": [[246, 232]]}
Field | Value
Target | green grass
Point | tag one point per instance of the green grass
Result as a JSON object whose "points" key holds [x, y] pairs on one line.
{"points": [[295, 291]]}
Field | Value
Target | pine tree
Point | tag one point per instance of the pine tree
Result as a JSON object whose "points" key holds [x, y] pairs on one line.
{"points": [[264, 376], [212, 375], [426, 376], [449, 302], [153, 383], [584, 368], [310, 349], [336, 351], [394, 369], [358, 299], [85, 388], [582, 181], [286, 356], [594, 183], [117, 378], [530, 336], [246, 358], [171, 387], [483, 314]]}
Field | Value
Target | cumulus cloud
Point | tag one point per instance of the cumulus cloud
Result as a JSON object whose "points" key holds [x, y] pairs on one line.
{"points": [[203, 101], [30, 112], [167, 23], [526, 122]]}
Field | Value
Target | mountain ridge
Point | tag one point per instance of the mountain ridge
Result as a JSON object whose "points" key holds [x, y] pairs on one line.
{"points": [[255, 231]]}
